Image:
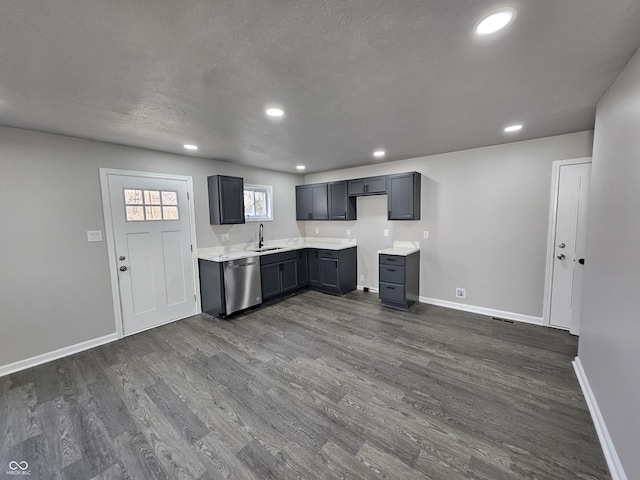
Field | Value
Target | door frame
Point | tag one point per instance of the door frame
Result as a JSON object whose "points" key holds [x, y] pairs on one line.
{"points": [[111, 242], [551, 232]]}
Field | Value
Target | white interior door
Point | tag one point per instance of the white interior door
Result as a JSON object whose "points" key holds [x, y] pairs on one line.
{"points": [[569, 246], [151, 226]]}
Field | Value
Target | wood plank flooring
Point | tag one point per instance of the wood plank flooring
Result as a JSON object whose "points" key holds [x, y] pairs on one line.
{"points": [[314, 387]]}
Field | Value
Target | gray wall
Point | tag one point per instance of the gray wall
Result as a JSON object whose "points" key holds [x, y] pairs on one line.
{"points": [[610, 328], [54, 286], [487, 213]]}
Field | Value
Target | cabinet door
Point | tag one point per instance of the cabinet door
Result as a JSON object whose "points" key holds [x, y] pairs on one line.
{"points": [[319, 209], [289, 275], [376, 185], [329, 273], [314, 267], [303, 268], [231, 191], [356, 187], [303, 202], [341, 206], [404, 196], [270, 280]]}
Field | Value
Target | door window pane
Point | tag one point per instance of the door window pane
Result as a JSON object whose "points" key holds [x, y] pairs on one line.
{"points": [[134, 214], [141, 205], [170, 198]]}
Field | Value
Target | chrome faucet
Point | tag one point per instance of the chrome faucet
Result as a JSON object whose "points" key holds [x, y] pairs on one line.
{"points": [[261, 236]]}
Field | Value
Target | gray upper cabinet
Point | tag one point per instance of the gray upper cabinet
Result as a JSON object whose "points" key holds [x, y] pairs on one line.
{"points": [[226, 200], [367, 186], [403, 198], [341, 206], [311, 202]]}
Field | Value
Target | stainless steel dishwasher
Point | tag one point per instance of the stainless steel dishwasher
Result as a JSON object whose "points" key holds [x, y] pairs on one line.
{"points": [[242, 287]]}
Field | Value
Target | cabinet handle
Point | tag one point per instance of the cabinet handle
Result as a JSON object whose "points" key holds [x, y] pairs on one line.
{"points": [[345, 214], [309, 215], [391, 288], [391, 269]]}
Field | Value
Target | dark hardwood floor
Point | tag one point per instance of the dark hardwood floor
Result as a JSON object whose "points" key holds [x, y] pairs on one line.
{"points": [[312, 386]]}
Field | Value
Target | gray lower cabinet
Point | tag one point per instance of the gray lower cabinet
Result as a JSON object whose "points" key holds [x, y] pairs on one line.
{"points": [[278, 274], [333, 271], [226, 200], [303, 268], [403, 199], [399, 280]]}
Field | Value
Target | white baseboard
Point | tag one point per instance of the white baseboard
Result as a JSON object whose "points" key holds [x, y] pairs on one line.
{"points": [[371, 289], [609, 450], [56, 354], [518, 317]]}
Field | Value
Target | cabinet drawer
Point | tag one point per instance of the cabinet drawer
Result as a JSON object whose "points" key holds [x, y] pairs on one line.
{"points": [[391, 274], [392, 260], [277, 257], [394, 293], [333, 254]]}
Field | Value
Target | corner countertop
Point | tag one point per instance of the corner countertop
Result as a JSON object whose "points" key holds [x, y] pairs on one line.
{"points": [[236, 252], [401, 248]]}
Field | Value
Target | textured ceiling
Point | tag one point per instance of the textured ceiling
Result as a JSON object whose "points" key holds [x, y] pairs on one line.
{"points": [[404, 75]]}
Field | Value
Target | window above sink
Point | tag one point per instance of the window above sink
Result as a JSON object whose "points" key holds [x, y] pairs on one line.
{"points": [[258, 203]]}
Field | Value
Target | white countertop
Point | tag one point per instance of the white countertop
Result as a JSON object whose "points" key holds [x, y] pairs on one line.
{"points": [[401, 248], [235, 252]]}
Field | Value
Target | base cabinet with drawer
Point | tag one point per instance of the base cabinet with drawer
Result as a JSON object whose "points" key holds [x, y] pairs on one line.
{"points": [[333, 271], [399, 280]]}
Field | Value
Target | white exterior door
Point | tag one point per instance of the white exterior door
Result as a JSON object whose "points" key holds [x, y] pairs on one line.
{"points": [[152, 248], [569, 246]]}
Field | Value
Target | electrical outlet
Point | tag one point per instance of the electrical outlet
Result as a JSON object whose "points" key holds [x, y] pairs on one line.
{"points": [[386, 232], [317, 230], [426, 234], [348, 232], [461, 293], [225, 238], [94, 235]]}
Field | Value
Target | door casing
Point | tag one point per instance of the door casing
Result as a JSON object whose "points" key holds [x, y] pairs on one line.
{"points": [[110, 238]]}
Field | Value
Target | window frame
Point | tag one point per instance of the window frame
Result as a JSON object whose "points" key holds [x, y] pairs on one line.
{"points": [[268, 190]]}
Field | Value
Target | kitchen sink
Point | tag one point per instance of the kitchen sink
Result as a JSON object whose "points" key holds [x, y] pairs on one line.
{"points": [[268, 249]]}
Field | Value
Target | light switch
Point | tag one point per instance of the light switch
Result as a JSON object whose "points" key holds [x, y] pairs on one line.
{"points": [[426, 234], [94, 235], [348, 232], [386, 232]]}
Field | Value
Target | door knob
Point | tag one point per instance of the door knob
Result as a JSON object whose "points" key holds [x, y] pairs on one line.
{"points": [[562, 245], [561, 256], [123, 268]]}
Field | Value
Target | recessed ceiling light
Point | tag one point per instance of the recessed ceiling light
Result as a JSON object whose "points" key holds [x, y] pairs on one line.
{"points": [[495, 21], [300, 167], [189, 146], [274, 112], [379, 153], [513, 128]]}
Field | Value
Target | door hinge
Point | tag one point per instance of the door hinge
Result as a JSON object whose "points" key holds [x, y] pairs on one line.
{"points": [[192, 248], [195, 299], [187, 195]]}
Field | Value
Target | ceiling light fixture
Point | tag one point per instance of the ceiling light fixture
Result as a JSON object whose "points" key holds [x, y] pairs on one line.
{"points": [[189, 146], [300, 167], [274, 112], [379, 153], [495, 21], [513, 128]]}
